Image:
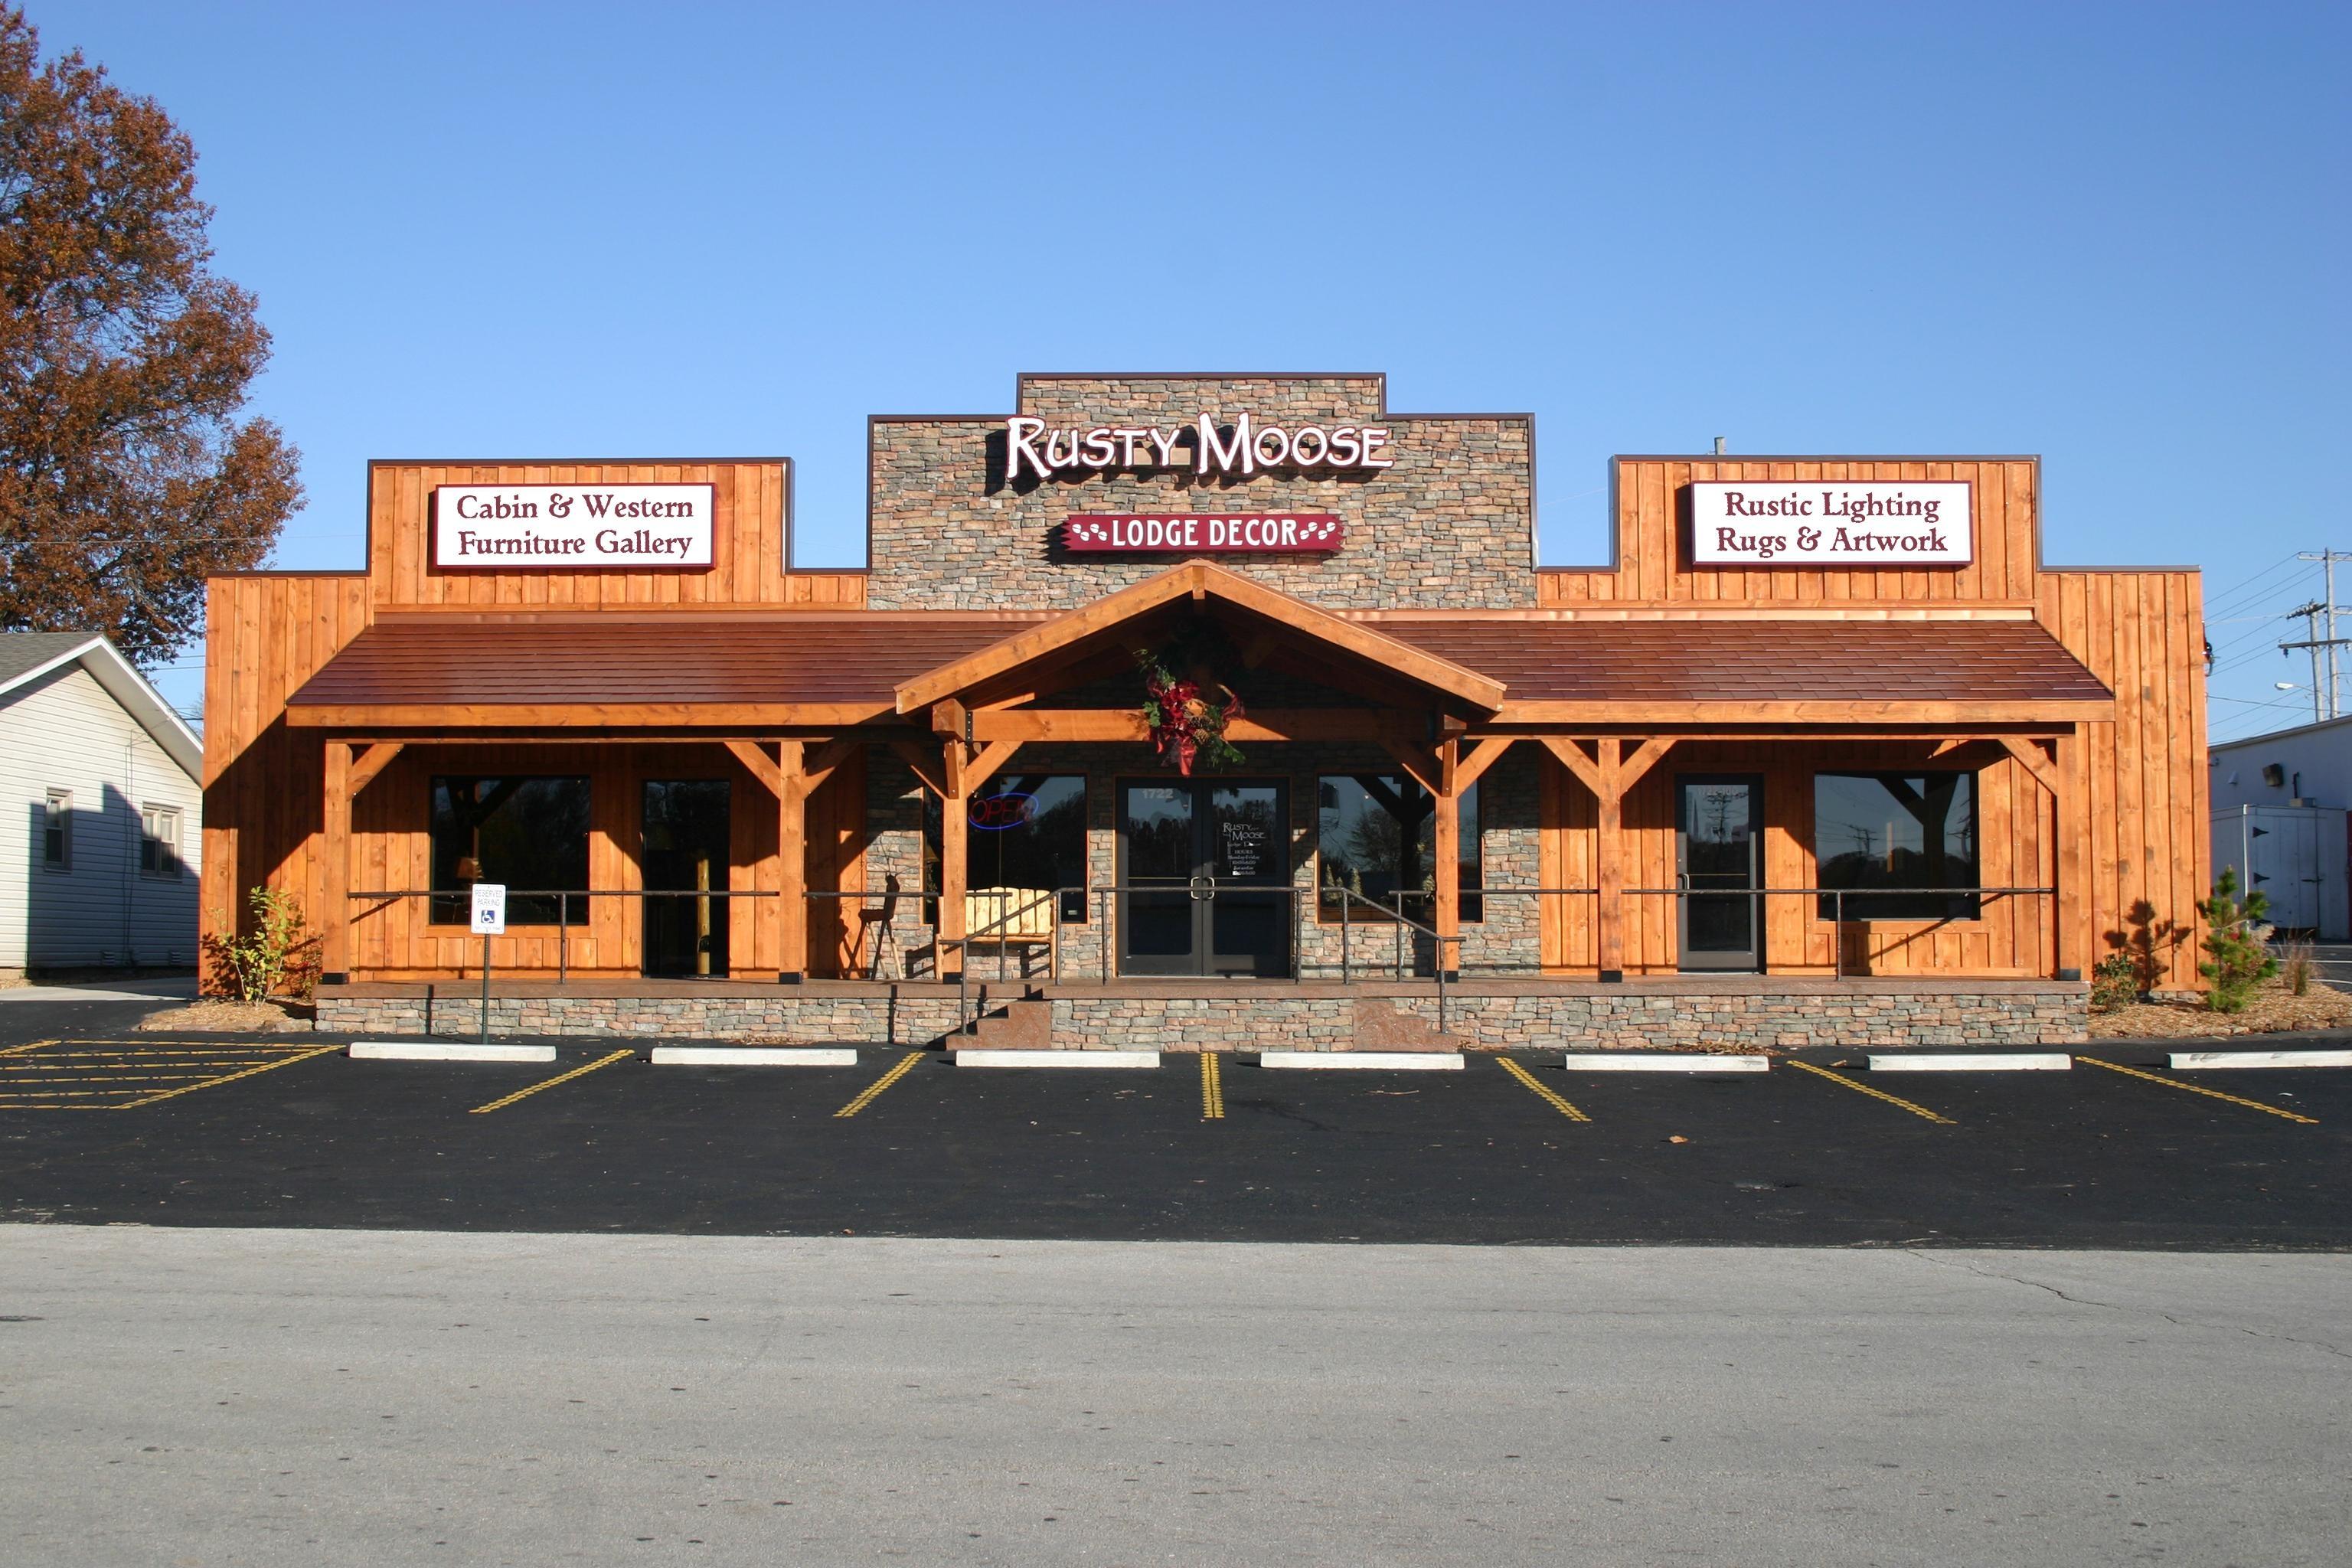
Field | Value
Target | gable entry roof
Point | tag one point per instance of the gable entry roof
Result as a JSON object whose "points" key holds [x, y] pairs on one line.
{"points": [[1203, 580]]}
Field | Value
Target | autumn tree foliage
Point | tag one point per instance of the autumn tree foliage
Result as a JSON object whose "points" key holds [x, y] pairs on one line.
{"points": [[125, 473]]}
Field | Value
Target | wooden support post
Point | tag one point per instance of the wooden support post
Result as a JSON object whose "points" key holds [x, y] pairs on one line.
{"points": [[1446, 874], [955, 818], [2072, 829], [1609, 859], [335, 867], [2061, 774], [791, 862]]}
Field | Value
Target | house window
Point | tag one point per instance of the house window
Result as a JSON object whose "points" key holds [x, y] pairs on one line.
{"points": [[1022, 830], [159, 842], [56, 831], [531, 835], [1377, 836], [1896, 830]]}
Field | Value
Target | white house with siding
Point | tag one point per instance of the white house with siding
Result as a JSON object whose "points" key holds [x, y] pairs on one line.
{"points": [[105, 783]]}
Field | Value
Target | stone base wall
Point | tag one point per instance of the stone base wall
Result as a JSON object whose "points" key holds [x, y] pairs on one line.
{"points": [[1575, 1019]]}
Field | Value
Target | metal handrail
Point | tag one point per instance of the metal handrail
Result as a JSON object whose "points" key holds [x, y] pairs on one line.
{"points": [[964, 1020], [563, 896], [1396, 911], [1838, 897]]}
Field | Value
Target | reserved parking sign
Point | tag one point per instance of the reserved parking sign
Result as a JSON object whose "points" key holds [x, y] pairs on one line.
{"points": [[489, 909]]}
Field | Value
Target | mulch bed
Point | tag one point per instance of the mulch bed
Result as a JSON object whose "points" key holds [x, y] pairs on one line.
{"points": [[232, 1018], [2273, 1010]]}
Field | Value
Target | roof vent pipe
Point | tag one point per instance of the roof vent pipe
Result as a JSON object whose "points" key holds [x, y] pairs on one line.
{"points": [[1718, 446]]}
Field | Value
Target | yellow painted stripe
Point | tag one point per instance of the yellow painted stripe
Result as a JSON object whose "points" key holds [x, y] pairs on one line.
{"points": [[29, 1081], [2200, 1089], [232, 1077], [173, 1053], [27, 1045], [1874, 1093], [1554, 1101], [76, 1094], [906, 1065], [1212, 1088], [602, 1061]]}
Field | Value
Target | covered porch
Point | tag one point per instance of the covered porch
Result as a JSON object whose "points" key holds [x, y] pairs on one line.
{"points": [[1564, 768]]}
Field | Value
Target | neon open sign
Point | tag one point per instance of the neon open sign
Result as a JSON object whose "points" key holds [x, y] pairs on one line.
{"points": [[998, 811]]}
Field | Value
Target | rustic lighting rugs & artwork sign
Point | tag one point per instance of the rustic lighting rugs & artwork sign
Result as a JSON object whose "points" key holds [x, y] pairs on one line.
{"points": [[499, 527], [1828, 522]]}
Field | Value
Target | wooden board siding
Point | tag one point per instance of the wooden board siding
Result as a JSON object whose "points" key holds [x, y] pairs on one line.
{"points": [[2149, 854], [2012, 937], [2150, 849], [268, 633], [392, 850], [748, 543], [1652, 560]]}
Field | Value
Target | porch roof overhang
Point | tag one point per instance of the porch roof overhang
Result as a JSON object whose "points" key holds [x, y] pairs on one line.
{"points": [[569, 673], [1418, 676]]}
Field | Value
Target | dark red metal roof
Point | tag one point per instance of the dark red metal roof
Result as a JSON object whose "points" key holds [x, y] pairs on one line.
{"points": [[861, 658], [1739, 660], [613, 659]]}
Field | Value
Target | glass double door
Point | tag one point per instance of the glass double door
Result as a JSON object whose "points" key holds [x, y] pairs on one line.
{"points": [[1720, 863], [1201, 859]]}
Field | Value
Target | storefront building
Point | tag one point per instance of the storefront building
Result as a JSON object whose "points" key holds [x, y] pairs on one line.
{"points": [[1826, 752]]}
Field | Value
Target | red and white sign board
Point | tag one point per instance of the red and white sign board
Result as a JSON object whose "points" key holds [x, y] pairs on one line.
{"points": [[1295, 533], [1830, 523], [498, 528]]}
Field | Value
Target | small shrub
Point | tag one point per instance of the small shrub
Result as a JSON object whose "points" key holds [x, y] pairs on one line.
{"points": [[281, 953], [2237, 943], [2295, 963], [2114, 982]]}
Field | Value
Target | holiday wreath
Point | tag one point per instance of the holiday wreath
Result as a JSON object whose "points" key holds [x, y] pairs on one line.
{"points": [[1187, 714]]}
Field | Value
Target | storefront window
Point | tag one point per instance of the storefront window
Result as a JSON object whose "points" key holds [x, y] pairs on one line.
{"points": [[1377, 836], [1023, 830], [530, 834], [1896, 830]]}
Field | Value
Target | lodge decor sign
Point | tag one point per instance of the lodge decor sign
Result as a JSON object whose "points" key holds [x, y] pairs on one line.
{"points": [[1830, 523], [1300, 533], [590, 527], [1239, 449]]}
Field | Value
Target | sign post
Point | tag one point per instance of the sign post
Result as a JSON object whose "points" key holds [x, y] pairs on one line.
{"points": [[490, 920]]}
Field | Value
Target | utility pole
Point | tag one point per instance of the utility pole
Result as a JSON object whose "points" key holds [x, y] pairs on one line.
{"points": [[2311, 613]]}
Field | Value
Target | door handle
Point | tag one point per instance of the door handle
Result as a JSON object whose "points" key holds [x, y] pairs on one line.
{"points": [[1204, 890]]}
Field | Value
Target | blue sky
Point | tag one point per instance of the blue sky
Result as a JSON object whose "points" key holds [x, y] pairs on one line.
{"points": [[2113, 236]]}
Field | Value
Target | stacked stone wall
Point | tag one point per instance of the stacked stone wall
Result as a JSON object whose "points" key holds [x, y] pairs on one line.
{"points": [[1450, 526], [1572, 1017]]}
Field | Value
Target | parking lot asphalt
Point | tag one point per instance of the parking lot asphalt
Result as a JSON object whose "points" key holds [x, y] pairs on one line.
{"points": [[285, 1130]]}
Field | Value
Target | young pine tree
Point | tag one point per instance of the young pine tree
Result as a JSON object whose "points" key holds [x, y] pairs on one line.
{"points": [[2237, 943]]}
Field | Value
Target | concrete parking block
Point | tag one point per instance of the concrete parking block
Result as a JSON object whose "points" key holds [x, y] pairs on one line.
{"points": [[754, 1057], [436, 1051], [1975, 1061], [2261, 1059], [1382, 1061], [1661, 1061], [987, 1058]]}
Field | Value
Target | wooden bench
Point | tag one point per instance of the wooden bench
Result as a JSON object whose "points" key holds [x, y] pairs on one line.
{"points": [[1030, 918]]}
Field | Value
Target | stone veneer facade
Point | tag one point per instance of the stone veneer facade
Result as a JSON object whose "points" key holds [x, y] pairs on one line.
{"points": [[1504, 941], [1450, 526], [1682, 1016]]}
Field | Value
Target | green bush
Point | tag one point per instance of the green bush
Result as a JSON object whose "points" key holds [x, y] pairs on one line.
{"points": [[278, 954], [2237, 943]]}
